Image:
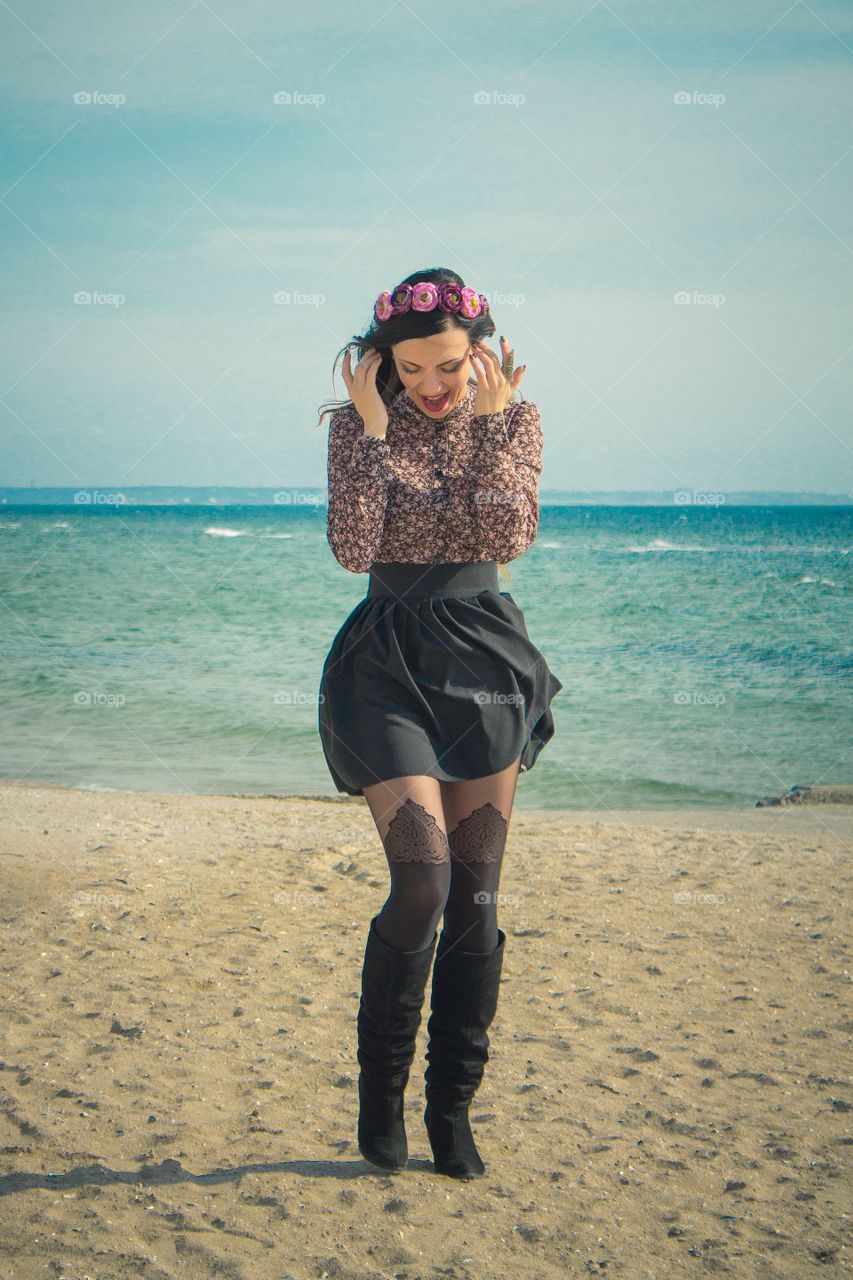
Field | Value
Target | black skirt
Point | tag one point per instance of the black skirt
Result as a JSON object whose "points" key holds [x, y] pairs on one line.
{"points": [[433, 673]]}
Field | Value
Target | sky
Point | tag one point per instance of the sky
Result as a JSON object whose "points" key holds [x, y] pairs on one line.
{"points": [[201, 202]]}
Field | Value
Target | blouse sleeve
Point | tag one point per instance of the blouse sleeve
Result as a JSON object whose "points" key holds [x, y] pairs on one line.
{"points": [[506, 488], [359, 475]]}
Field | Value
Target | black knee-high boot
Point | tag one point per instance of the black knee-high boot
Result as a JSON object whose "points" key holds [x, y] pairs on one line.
{"points": [[389, 1014], [463, 1001]]}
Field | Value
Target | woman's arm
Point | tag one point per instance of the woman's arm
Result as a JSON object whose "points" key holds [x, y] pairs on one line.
{"points": [[359, 475], [508, 463]]}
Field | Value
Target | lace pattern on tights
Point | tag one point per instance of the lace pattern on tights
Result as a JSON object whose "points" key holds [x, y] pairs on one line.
{"points": [[414, 836], [480, 837]]}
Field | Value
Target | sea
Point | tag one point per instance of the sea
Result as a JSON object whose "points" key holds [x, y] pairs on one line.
{"points": [[705, 652]]}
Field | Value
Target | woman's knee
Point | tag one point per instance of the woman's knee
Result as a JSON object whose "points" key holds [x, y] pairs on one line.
{"points": [[424, 897]]}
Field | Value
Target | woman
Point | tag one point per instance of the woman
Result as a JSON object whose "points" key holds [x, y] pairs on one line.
{"points": [[433, 697]]}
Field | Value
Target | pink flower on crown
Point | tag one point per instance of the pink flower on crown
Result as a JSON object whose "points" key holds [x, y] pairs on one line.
{"points": [[471, 305], [485, 304], [424, 296], [402, 299], [382, 308], [449, 296]]}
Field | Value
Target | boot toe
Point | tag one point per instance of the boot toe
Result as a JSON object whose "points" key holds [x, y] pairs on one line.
{"points": [[459, 1168], [382, 1152]]}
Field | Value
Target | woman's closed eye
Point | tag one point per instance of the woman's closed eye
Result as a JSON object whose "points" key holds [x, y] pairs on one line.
{"points": [[452, 370]]}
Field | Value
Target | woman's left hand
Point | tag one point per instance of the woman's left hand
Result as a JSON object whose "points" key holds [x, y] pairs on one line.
{"points": [[493, 387]]}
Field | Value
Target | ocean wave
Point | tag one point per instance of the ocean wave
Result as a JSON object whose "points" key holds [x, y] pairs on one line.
{"points": [[222, 531], [729, 548], [661, 544]]}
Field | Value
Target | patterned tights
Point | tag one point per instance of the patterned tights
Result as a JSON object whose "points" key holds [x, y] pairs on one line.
{"points": [[444, 842]]}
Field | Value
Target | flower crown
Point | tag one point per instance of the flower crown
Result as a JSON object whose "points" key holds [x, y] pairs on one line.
{"points": [[426, 296]]}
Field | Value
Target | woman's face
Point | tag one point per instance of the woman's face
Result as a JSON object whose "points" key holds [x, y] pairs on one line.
{"points": [[434, 370]]}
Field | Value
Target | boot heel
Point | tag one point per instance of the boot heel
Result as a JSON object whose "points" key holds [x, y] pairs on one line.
{"points": [[453, 1147]]}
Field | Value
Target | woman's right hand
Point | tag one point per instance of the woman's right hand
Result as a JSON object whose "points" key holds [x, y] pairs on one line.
{"points": [[363, 392]]}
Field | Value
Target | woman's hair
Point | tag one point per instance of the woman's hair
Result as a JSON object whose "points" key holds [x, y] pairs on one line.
{"points": [[383, 335]]}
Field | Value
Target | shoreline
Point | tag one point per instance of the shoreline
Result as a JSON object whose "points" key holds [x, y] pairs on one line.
{"points": [[832, 801]]}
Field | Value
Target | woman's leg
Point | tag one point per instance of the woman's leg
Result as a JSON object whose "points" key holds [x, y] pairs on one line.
{"points": [[477, 812], [410, 820], [398, 957], [467, 969]]}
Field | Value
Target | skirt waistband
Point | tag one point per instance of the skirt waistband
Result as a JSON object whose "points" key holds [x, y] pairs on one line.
{"points": [[412, 581]]}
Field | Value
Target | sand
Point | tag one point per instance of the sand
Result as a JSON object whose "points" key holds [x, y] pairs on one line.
{"points": [[668, 1092]]}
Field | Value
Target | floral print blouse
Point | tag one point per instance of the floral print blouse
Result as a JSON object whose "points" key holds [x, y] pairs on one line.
{"points": [[458, 488]]}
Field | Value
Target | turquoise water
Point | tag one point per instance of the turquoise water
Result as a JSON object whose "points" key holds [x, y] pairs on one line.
{"points": [[705, 653]]}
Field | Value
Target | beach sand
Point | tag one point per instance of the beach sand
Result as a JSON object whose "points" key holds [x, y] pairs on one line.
{"points": [[668, 1093]]}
